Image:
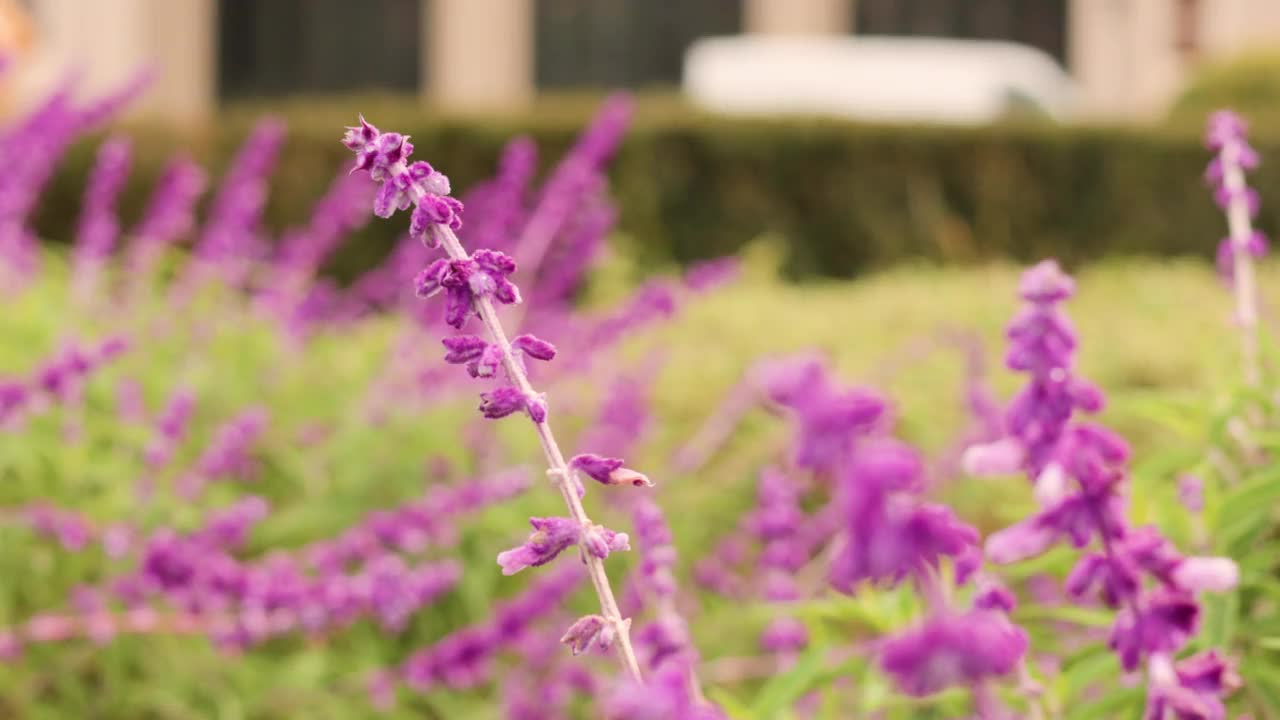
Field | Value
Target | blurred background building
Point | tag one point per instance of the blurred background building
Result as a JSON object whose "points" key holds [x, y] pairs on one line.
{"points": [[1127, 57]]}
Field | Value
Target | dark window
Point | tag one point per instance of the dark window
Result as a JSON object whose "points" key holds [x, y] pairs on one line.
{"points": [[281, 47], [623, 43], [1041, 24]]}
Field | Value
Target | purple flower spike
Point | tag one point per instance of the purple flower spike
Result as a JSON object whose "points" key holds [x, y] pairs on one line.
{"points": [[551, 536], [953, 650], [608, 471]]}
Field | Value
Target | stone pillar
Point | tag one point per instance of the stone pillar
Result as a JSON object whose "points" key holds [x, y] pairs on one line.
{"points": [[1099, 54], [1124, 56], [798, 17], [106, 43], [1160, 71], [478, 54], [183, 41]]}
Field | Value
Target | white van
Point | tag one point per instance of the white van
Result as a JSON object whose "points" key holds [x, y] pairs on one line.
{"points": [[903, 79]]}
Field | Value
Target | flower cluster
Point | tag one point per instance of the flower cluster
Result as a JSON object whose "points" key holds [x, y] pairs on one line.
{"points": [[1079, 474], [415, 525], [229, 455], [464, 658], [57, 381]]}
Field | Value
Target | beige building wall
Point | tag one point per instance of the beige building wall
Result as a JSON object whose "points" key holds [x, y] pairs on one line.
{"points": [[104, 44], [1127, 55], [478, 54], [797, 17]]}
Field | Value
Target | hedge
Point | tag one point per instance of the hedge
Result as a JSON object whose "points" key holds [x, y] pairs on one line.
{"points": [[845, 197]]}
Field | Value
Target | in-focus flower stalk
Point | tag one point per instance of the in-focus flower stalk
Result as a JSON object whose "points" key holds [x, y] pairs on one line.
{"points": [[470, 282]]}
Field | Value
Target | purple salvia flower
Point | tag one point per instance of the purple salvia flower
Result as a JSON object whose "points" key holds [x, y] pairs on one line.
{"points": [[169, 214], [1225, 135], [170, 428], [14, 396], [891, 537], [952, 650], [232, 237], [229, 454], [776, 522], [600, 541], [502, 402], [551, 536], [499, 206], [473, 282], [464, 658], [581, 240], [574, 177], [131, 406], [608, 471], [1189, 689], [666, 696], [587, 630], [99, 224], [1079, 474]]}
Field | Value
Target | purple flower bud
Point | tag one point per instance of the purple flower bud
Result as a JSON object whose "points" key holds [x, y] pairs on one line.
{"points": [[600, 541], [534, 347], [1225, 197], [1163, 622], [538, 409], [1224, 126], [1002, 457], [551, 536], [582, 633], [1216, 574], [1045, 283], [463, 348], [502, 402], [784, 635], [1191, 492], [608, 471]]}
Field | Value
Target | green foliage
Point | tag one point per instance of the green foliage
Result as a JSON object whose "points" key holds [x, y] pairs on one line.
{"points": [[846, 197], [1248, 83]]}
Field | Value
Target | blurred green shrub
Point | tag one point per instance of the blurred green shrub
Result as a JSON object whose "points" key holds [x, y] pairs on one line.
{"points": [[1248, 83], [846, 197]]}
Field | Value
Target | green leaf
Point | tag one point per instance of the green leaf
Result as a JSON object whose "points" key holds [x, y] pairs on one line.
{"points": [[785, 688], [1219, 623]]}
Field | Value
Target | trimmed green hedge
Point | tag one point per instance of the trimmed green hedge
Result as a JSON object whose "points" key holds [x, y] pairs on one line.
{"points": [[846, 197]]}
